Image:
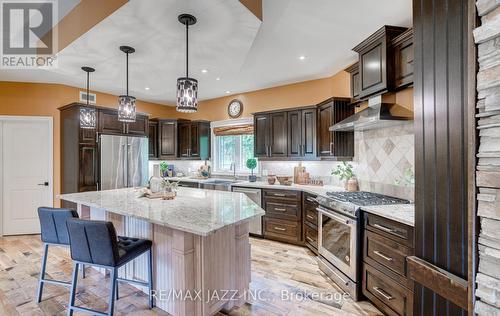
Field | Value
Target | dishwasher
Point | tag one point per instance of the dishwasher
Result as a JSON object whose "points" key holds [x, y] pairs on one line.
{"points": [[254, 195]]}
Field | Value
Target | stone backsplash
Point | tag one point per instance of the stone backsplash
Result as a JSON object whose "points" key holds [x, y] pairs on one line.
{"points": [[385, 160]]}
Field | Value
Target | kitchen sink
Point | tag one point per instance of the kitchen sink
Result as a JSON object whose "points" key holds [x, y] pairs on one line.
{"points": [[218, 184]]}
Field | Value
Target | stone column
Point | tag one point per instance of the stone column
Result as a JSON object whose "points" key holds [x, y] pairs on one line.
{"points": [[487, 37]]}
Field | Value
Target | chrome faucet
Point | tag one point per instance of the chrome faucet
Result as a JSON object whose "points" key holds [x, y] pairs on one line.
{"points": [[233, 167]]}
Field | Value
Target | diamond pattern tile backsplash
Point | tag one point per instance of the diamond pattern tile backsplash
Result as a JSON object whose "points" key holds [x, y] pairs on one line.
{"points": [[386, 155]]}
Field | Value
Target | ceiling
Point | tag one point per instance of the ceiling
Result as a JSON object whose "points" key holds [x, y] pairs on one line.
{"points": [[228, 41]]}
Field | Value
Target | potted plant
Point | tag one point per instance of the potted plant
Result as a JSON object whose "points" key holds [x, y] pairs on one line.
{"points": [[164, 168], [345, 172], [170, 189], [252, 164]]}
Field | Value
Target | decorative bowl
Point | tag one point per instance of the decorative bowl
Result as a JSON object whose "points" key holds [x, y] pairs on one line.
{"points": [[271, 179], [284, 180]]}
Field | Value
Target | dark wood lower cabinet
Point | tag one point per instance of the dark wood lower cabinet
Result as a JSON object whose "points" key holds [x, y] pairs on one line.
{"points": [[310, 222], [88, 177], [282, 229], [385, 279], [389, 296], [283, 219], [310, 237]]}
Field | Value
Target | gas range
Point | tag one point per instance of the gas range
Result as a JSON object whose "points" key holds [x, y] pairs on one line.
{"points": [[349, 203], [339, 235]]}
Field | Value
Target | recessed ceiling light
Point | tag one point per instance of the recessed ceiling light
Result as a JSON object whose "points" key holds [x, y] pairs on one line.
{"points": [[217, 78], [204, 71], [302, 57], [146, 88], [228, 92]]}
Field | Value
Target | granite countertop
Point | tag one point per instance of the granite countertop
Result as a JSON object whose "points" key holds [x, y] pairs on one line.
{"points": [[403, 213], [313, 189], [196, 211]]}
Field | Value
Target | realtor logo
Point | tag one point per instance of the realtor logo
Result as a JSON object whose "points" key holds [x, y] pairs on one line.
{"points": [[28, 38]]}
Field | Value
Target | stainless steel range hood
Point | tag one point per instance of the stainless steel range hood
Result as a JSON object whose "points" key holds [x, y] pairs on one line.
{"points": [[376, 115]]}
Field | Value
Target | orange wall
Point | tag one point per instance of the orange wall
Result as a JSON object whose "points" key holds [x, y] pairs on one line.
{"points": [[44, 100], [287, 96], [36, 99]]}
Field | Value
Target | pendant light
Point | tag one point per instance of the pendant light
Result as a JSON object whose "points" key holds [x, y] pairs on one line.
{"points": [[187, 88], [126, 103], [88, 113]]}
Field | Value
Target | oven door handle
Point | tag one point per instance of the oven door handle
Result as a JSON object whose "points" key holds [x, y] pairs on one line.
{"points": [[338, 218]]}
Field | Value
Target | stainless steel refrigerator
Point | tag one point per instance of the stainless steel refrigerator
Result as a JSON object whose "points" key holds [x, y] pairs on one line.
{"points": [[124, 161]]}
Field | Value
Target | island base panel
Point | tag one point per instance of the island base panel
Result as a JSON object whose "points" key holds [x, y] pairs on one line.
{"points": [[192, 274]]}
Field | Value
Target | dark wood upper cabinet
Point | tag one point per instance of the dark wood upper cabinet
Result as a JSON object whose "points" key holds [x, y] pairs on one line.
{"points": [[167, 139], [270, 134], [302, 133], [376, 61], [278, 134], [353, 71], [184, 139], [294, 133], [153, 139], [193, 139], [403, 59], [309, 132], [334, 144], [325, 137], [138, 128], [261, 135], [108, 124]]}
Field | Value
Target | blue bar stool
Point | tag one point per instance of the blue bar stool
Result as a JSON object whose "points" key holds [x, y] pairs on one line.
{"points": [[95, 243], [53, 232]]}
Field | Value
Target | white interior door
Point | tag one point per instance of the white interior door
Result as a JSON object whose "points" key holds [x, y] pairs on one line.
{"points": [[26, 145]]}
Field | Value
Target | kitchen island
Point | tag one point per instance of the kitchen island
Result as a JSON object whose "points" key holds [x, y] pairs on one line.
{"points": [[201, 250]]}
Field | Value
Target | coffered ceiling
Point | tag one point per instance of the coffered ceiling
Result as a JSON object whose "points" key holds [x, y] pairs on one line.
{"points": [[238, 51]]}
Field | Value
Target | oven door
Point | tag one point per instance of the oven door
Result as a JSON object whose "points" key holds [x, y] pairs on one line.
{"points": [[337, 241]]}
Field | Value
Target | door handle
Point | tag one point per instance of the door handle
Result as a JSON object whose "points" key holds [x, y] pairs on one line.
{"points": [[45, 184]]}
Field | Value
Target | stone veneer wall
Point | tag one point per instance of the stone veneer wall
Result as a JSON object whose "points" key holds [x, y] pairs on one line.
{"points": [[487, 36]]}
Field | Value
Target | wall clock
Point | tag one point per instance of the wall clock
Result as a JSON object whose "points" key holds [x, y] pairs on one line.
{"points": [[235, 108]]}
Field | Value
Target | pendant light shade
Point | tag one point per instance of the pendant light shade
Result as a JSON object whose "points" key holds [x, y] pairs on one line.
{"points": [[88, 116], [187, 88], [126, 103]]}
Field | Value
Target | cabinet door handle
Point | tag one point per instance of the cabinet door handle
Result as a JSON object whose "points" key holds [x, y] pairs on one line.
{"points": [[310, 239], [310, 217], [383, 256], [331, 148], [388, 230], [383, 293], [280, 209], [312, 200], [279, 228], [45, 184], [270, 150], [279, 194], [384, 228]]}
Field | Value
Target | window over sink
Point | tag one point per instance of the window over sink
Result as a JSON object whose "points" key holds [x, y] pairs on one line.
{"points": [[232, 143], [232, 149]]}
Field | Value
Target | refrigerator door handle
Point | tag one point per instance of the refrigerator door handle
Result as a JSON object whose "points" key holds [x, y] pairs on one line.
{"points": [[124, 165]]}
